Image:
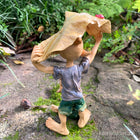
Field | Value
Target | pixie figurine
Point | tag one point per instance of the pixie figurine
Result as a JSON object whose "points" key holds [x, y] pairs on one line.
{"points": [[68, 43]]}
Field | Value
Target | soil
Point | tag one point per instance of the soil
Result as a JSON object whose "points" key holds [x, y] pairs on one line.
{"points": [[108, 91]]}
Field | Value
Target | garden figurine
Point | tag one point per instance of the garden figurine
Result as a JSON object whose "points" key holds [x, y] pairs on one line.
{"points": [[68, 43]]}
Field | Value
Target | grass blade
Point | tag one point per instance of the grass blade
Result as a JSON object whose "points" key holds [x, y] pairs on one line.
{"points": [[131, 132], [13, 74], [4, 95], [7, 44]]}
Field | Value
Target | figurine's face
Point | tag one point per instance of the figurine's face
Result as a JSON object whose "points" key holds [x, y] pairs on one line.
{"points": [[73, 52]]}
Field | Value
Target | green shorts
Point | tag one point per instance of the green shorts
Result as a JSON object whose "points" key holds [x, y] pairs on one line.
{"points": [[71, 108]]}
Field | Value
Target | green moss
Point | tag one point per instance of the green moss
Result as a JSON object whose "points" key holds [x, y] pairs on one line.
{"points": [[80, 133], [50, 77], [74, 138], [13, 137], [55, 99]]}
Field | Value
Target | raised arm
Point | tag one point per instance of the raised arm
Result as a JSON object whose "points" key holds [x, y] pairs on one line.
{"points": [[37, 52], [98, 39]]}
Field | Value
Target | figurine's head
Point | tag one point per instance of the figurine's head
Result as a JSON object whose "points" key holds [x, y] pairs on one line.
{"points": [[75, 26], [73, 52]]}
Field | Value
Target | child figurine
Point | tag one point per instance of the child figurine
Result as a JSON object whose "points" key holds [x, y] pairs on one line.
{"points": [[68, 43]]}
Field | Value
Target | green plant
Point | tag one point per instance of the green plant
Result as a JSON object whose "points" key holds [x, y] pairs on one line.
{"points": [[26, 17], [118, 40], [108, 8], [137, 5], [5, 34], [120, 13], [22, 18], [128, 10]]}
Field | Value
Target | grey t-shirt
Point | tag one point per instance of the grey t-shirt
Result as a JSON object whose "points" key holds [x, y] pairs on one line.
{"points": [[71, 79]]}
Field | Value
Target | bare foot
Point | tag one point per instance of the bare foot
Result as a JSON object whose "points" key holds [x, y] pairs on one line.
{"points": [[54, 108], [84, 117], [54, 126]]}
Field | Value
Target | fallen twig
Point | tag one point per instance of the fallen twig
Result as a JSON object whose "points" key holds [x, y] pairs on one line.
{"points": [[25, 50]]}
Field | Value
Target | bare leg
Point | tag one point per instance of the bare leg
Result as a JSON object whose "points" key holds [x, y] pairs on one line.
{"points": [[84, 117], [59, 128], [54, 108]]}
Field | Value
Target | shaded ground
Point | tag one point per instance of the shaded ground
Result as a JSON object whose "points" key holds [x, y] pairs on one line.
{"points": [[106, 86]]}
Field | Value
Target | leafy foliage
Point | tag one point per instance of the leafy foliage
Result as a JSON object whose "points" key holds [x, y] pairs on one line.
{"points": [[24, 17], [117, 41], [21, 19], [137, 5], [108, 8], [125, 30], [4, 34]]}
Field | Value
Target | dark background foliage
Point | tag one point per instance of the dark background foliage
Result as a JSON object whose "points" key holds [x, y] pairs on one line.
{"points": [[21, 21]]}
